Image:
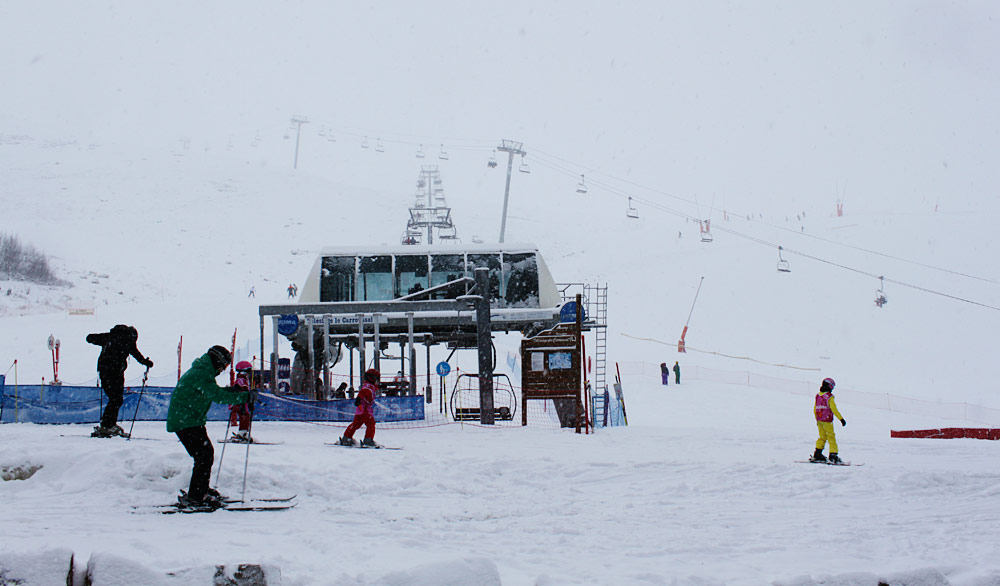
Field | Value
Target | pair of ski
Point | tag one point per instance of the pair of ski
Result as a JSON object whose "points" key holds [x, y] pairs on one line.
{"points": [[362, 446], [827, 462], [258, 504]]}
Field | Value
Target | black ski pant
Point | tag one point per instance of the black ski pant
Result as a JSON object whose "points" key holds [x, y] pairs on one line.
{"points": [[113, 384], [197, 444]]}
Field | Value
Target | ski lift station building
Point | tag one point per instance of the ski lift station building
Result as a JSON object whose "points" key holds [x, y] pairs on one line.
{"points": [[418, 294]]}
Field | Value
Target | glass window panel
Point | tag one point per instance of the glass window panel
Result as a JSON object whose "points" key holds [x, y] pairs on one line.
{"points": [[411, 273], [520, 272], [492, 262], [375, 275], [445, 268], [336, 282]]}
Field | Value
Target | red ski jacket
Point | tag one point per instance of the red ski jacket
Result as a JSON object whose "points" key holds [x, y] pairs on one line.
{"points": [[366, 400]]}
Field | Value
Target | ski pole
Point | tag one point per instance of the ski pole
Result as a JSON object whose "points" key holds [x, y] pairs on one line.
{"points": [[222, 455], [145, 376], [246, 461]]}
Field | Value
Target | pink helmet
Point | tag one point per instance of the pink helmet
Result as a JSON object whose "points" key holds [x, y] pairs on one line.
{"points": [[829, 382], [244, 365]]}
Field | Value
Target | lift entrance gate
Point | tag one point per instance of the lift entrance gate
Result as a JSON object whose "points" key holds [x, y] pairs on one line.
{"points": [[319, 331]]}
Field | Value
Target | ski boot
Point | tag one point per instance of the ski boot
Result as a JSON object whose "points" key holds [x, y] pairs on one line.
{"points": [[117, 430], [835, 459], [241, 437], [101, 431], [214, 497], [206, 504], [818, 456], [369, 443], [347, 441]]}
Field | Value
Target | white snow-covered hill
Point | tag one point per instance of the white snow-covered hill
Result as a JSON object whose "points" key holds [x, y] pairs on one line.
{"points": [[149, 153]]}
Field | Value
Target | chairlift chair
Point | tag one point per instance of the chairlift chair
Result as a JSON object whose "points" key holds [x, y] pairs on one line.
{"points": [[410, 237], [332, 137], [523, 167], [443, 155], [631, 211], [420, 151], [378, 146], [582, 186], [880, 298], [782, 263], [364, 142], [705, 227], [493, 160]]}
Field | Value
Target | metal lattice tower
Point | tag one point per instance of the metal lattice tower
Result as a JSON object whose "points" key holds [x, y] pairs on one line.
{"points": [[430, 211], [595, 303]]}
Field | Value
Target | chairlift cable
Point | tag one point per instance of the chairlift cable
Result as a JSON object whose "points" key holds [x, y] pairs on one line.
{"points": [[695, 203]]}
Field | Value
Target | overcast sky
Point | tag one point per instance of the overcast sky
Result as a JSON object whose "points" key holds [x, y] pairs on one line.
{"points": [[888, 104]]}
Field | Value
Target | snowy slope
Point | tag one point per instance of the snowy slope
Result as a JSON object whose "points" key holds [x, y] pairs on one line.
{"points": [[155, 167], [701, 488]]}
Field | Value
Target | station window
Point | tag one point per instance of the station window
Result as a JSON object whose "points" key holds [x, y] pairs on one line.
{"points": [[337, 279], [445, 268], [520, 272], [375, 276], [411, 274], [492, 262]]}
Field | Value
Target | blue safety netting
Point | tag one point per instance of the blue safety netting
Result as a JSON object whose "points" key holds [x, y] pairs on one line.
{"points": [[66, 404]]}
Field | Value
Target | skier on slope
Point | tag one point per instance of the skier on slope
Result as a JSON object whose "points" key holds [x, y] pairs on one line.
{"points": [[186, 416], [365, 412], [240, 415], [116, 346], [825, 409], [664, 374]]}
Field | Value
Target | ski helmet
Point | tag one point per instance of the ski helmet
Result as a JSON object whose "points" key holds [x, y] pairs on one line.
{"points": [[829, 382], [372, 375], [219, 356], [244, 365]]}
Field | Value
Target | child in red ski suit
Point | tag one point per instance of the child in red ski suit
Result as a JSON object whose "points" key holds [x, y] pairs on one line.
{"points": [[239, 415], [825, 409], [365, 412]]}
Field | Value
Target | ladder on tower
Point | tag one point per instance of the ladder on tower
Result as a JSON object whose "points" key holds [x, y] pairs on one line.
{"points": [[601, 339]]}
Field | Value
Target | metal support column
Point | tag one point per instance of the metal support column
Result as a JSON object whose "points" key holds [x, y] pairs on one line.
{"points": [[484, 340], [361, 350], [413, 354], [378, 342]]}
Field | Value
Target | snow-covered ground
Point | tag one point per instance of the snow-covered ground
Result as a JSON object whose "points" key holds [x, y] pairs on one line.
{"points": [[156, 171], [701, 488]]}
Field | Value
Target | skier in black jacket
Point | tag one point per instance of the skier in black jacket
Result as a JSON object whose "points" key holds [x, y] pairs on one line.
{"points": [[116, 346]]}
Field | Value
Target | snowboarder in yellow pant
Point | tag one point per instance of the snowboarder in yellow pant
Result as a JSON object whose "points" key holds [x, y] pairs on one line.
{"points": [[825, 409]]}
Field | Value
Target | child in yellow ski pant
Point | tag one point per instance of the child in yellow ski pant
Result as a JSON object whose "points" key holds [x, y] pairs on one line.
{"points": [[826, 434], [825, 410]]}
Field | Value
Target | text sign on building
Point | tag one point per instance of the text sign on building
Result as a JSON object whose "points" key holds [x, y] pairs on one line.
{"points": [[342, 320], [288, 324], [568, 313]]}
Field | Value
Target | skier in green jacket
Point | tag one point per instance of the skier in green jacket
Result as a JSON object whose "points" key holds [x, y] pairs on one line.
{"points": [[189, 404]]}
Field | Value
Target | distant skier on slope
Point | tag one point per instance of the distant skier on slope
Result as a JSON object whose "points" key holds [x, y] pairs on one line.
{"points": [[116, 346], [825, 409], [677, 372], [186, 416], [664, 374], [365, 412]]}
